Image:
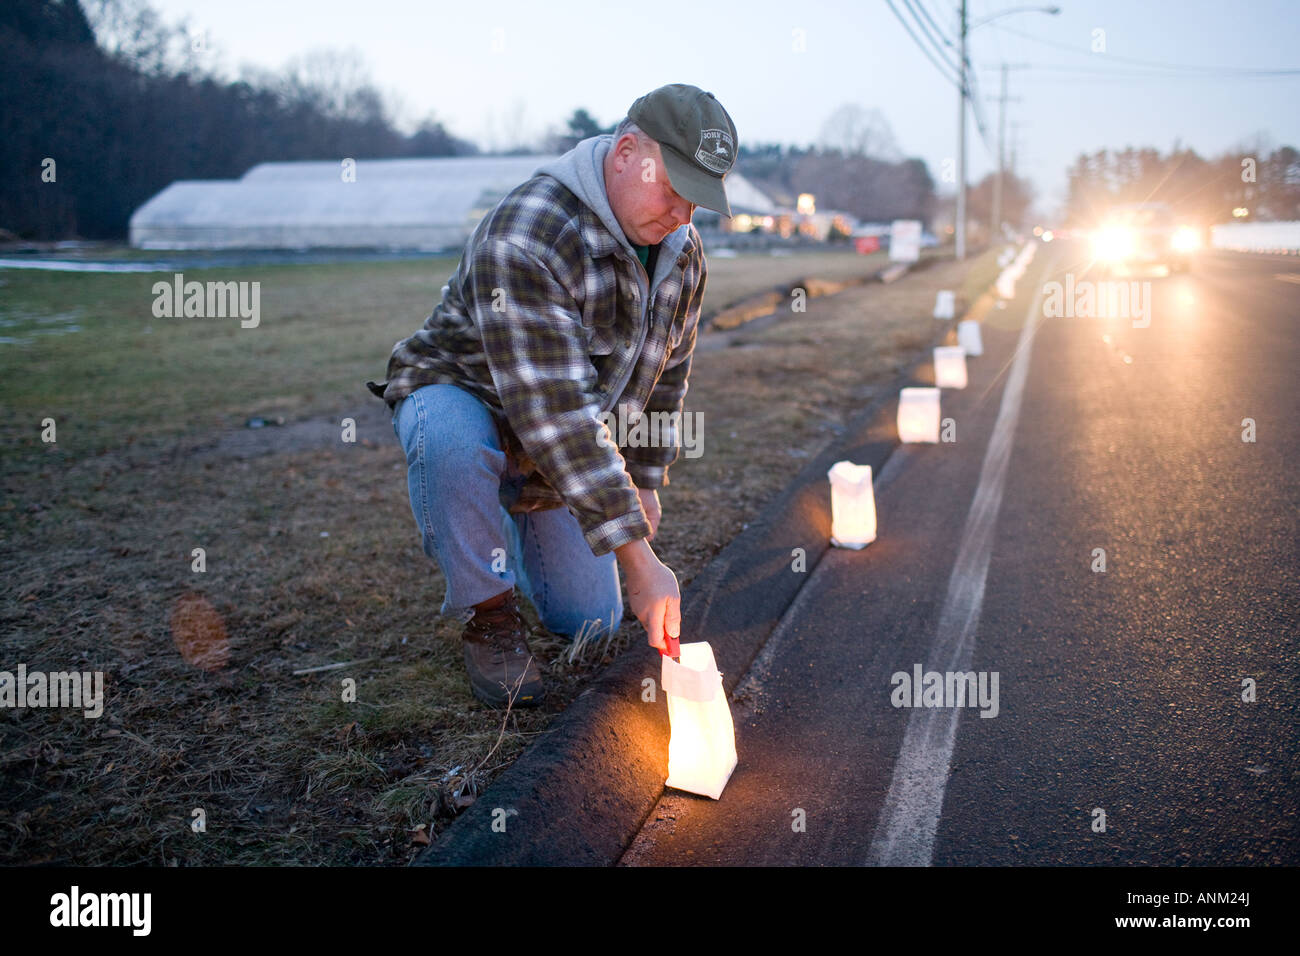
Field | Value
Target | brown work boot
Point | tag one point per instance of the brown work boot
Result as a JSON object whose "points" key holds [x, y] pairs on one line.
{"points": [[498, 658]]}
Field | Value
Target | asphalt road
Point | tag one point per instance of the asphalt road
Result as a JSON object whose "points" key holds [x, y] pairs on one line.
{"points": [[1119, 692]]}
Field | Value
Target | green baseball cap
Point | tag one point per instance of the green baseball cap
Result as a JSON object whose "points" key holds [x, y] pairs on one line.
{"points": [[695, 136]]}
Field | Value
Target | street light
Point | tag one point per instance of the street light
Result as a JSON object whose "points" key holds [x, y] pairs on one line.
{"points": [[1004, 13], [961, 111]]}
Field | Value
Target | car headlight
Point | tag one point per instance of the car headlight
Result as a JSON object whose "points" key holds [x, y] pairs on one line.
{"points": [[1185, 239], [1114, 242]]}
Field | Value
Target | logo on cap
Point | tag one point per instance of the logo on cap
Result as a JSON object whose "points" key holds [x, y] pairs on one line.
{"points": [[716, 151]]}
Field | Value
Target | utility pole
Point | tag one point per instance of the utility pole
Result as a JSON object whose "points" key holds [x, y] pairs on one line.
{"points": [[995, 232], [1003, 100], [961, 139], [963, 28]]}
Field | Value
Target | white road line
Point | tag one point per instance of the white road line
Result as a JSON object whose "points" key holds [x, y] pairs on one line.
{"points": [[909, 819], [1288, 277]]}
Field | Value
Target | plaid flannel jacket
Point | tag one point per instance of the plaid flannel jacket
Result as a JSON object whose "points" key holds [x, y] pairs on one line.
{"points": [[543, 322]]}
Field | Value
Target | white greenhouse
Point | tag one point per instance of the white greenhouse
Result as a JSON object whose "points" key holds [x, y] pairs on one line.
{"points": [[426, 204], [412, 204]]}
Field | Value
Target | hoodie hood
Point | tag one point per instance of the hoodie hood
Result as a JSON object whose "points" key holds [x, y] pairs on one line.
{"points": [[582, 171]]}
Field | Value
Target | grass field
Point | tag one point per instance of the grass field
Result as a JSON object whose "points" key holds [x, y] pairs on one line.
{"points": [[127, 377], [311, 554]]}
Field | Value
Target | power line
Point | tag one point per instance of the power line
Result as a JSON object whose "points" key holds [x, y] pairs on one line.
{"points": [[937, 29], [972, 92], [978, 109], [1151, 74], [924, 49], [936, 44], [1184, 67], [977, 106]]}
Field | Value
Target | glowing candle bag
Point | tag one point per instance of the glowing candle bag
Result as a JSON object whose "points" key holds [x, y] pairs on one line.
{"points": [[918, 415], [1006, 284], [853, 505], [950, 366], [702, 745], [944, 304], [969, 338]]}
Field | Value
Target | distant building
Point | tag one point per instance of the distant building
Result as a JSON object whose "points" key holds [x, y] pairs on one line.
{"points": [[415, 204], [755, 212], [752, 209]]}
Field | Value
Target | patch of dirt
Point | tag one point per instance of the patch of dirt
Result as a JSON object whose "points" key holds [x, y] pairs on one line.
{"points": [[372, 418]]}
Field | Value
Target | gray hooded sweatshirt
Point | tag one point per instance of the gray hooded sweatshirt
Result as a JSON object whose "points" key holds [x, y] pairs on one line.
{"points": [[582, 170]]}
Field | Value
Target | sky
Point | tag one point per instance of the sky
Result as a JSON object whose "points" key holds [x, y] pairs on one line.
{"points": [[500, 70]]}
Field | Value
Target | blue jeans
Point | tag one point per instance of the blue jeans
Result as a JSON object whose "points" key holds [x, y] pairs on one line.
{"points": [[459, 481]]}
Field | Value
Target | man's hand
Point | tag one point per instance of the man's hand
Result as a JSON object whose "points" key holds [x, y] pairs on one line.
{"points": [[652, 591], [650, 504]]}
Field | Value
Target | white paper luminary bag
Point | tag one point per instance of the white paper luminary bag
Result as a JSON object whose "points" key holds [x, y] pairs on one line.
{"points": [[853, 505], [918, 415], [969, 338], [945, 304], [702, 745], [950, 366]]}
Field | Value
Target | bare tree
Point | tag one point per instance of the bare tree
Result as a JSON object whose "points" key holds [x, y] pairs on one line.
{"points": [[336, 83], [854, 130], [131, 32], [513, 134]]}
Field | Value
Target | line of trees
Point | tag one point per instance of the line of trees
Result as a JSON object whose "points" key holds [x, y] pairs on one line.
{"points": [[1263, 181], [581, 125], [88, 132], [102, 105], [855, 167]]}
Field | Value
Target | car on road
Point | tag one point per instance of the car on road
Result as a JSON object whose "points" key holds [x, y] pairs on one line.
{"points": [[1139, 236]]}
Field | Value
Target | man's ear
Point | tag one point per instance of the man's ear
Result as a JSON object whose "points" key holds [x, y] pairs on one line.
{"points": [[627, 149]]}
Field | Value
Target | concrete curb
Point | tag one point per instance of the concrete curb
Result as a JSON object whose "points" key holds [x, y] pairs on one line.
{"points": [[581, 793]]}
